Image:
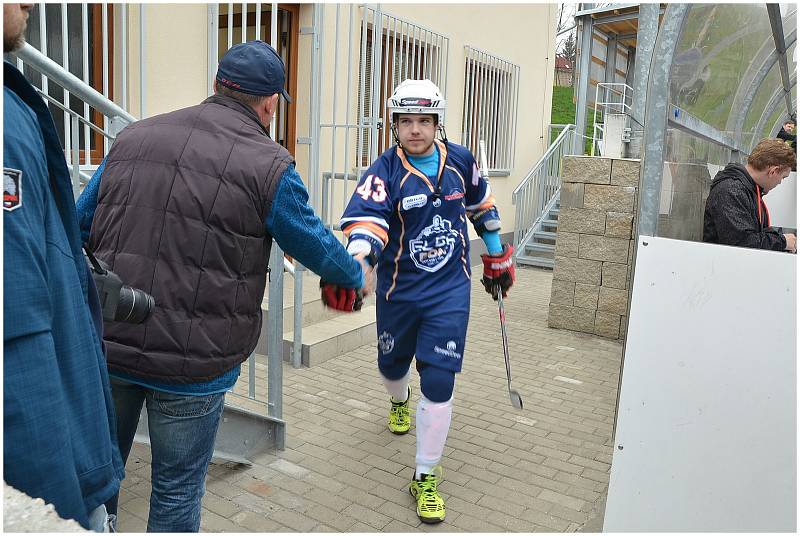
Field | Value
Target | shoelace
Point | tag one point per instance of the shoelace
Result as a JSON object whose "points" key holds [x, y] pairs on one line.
{"points": [[428, 491]]}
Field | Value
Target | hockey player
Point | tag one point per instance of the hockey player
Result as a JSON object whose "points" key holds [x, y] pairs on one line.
{"points": [[410, 213]]}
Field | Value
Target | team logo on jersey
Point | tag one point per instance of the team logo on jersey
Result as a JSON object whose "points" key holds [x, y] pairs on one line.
{"points": [[434, 246], [437, 202], [385, 342], [414, 201], [454, 194], [450, 351], [12, 189]]}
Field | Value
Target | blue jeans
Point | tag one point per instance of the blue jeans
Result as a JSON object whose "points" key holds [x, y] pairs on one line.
{"points": [[182, 433]]}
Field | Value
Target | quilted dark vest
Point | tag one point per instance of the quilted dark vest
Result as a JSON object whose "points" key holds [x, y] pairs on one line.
{"points": [[180, 215]]}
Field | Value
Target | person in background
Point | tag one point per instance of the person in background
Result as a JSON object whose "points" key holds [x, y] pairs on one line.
{"points": [[185, 207], [59, 435], [735, 212]]}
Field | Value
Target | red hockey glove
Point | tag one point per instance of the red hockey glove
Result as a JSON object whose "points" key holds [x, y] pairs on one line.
{"points": [[498, 270], [340, 298]]}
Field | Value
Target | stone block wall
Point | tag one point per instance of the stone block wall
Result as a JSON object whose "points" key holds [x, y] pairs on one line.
{"points": [[594, 245]]}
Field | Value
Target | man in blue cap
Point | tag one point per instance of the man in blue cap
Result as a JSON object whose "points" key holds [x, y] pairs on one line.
{"points": [[185, 207]]}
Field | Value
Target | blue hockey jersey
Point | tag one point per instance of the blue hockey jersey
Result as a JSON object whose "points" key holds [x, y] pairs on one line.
{"points": [[417, 224]]}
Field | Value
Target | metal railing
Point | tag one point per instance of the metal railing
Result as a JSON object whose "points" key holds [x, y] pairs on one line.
{"points": [[243, 432], [616, 99], [538, 191]]}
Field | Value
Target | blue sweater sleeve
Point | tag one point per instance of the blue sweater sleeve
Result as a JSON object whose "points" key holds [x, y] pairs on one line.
{"points": [[301, 234], [87, 203]]}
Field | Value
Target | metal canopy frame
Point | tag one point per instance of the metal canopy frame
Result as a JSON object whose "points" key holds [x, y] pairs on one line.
{"points": [[660, 114], [773, 104], [776, 23], [746, 103]]}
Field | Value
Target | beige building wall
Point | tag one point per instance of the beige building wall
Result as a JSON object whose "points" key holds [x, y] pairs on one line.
{"points": [[523, 34], [176, 74], [175, 57]]}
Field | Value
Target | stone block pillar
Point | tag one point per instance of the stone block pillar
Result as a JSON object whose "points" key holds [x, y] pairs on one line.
{"points": [[594, 245]]}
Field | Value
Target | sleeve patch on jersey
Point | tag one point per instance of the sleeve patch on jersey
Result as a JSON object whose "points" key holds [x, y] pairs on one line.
{"points": [[12, 189]]}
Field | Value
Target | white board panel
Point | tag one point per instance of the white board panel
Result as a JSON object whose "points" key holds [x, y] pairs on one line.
{"points": [[706, 429], [782, 203]]}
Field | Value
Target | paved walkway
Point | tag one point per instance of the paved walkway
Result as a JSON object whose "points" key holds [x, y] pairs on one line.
{"points": [[544, 468]]}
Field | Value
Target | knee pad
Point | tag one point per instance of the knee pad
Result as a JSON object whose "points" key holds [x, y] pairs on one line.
{"points": [[395, 369], [436, 383]]}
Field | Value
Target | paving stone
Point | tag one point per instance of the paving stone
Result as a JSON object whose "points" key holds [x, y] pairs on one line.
{"points": [[612, 300], [602, 248], [256, 522], [586, 169], [586, 296], [614, 275], [219, 505], [563, 500], [371, 517], [294, 520], [571, 195], [536, 470], [574, 318], [211, 522], [566, 244], [581, 220], [578, 270], [609, 198], [619, 224], [625, 172]]}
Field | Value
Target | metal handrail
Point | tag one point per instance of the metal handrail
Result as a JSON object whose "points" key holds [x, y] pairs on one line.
{"points": [[609, 106], [538, 191], [56, 73], [550, 150]]}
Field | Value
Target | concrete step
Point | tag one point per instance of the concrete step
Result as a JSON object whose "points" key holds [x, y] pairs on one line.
{"points": [[550, 224], [313, 311], [544, 237], [535, 249], [535, 261], [334, 337]]}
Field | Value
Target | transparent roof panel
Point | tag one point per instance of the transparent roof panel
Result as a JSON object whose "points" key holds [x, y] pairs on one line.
{"points": [[716, 48], [760, 101]]}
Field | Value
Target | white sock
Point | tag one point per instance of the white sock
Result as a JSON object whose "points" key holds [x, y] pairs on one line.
{"points": [[398, 389], [433, 423]]}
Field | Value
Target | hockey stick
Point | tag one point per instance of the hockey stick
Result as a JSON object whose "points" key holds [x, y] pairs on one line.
{"points": [[516, 399]]}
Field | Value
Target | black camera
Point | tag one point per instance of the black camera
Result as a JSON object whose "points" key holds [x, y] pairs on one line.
{"points": [[118, 301]]}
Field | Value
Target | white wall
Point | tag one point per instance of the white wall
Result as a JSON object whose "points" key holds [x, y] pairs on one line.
{"points": [[707, 416]]}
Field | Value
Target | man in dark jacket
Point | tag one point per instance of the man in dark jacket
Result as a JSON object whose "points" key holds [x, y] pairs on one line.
{"points": [[58, 417], [736, 214], [788, 134], [185, 207]]}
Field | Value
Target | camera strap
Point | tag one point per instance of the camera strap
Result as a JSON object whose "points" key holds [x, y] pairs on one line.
{"points": [[93, 260]]}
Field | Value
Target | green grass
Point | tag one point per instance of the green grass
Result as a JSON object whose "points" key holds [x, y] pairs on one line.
{"points": [[562, 112]]}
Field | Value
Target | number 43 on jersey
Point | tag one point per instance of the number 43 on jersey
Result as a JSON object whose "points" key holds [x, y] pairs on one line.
{"points": [[373, 187]]}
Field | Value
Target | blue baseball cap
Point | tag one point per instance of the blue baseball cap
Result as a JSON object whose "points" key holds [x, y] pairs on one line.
{"points": [[254, 68]]}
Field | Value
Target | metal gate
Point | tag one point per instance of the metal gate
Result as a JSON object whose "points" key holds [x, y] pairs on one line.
{"points": [[369, 53]]}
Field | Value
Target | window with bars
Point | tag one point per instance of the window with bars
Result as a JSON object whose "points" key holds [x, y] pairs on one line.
{"points": [[74, 35], [491, 94], [257, 25], [403, 50]]}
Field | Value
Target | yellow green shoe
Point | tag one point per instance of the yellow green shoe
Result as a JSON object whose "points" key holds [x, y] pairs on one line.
{"points": [[400, 416], [430, 505]]}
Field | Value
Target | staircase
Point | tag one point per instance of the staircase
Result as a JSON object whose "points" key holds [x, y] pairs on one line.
{"points": [[325, 333], [539, 249], [537, 201]]}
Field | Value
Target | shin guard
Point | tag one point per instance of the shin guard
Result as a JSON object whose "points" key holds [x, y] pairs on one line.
{"points": [[433, 423]]}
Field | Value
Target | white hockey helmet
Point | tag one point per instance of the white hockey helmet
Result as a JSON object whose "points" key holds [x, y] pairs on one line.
{"points": [[417, 97]]}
